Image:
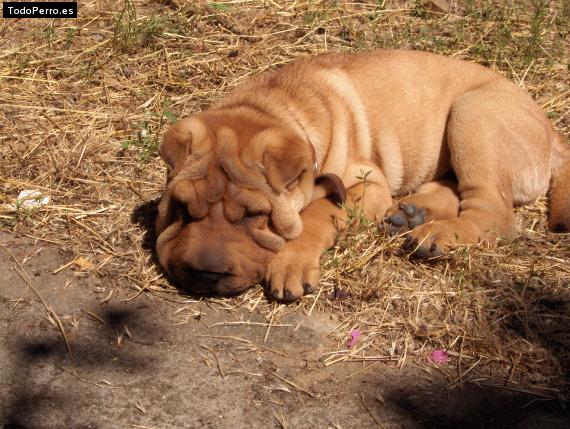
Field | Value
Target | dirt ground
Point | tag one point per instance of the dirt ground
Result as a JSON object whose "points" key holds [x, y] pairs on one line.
{"points": [[143, 362]]}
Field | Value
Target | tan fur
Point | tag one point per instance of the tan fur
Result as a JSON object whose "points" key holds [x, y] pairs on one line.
{"points": [[241, 196]]}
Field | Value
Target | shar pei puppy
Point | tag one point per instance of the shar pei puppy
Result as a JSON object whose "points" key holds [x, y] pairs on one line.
{"points": [[255, 181]]}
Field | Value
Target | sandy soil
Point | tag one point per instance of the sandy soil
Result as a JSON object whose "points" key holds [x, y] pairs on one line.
{"points": [[144, 363]]}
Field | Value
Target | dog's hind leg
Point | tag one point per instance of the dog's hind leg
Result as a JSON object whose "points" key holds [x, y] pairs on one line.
{"points": [[432, 201], [499, 142], [559, 216]]}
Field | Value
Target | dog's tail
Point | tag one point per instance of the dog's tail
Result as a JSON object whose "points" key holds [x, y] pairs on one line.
{"points": [[559, 217]]}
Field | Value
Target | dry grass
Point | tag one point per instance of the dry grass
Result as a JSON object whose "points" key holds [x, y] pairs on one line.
{"points": [[83, 104]]}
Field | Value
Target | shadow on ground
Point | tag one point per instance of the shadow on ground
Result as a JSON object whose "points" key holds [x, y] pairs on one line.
{"points": [[144, 215], [46, 385], [434, 406]]}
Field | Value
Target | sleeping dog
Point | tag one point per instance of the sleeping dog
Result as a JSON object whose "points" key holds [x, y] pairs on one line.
{"points": [[254, 181]]}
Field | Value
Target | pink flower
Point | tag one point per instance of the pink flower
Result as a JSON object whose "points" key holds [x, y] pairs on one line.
{"points": [[353, 337], [439, 356]]}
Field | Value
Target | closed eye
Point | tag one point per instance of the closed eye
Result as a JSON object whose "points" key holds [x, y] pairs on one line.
{"points": [[292, 184], [257, 211], [210, 275]]}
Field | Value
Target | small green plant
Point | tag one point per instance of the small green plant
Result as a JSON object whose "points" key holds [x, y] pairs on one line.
{"points": [[23, 62], [219, 6], [537, 27], [70, 34], [22, 211], [420, 10], [49, 33], [171, 117], [126, 26], [355, 214], [363, 176], [130, 34], [150, 30], [146, 141]]}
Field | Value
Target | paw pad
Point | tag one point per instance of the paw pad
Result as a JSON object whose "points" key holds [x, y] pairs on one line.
{"points": [[407, 217]]}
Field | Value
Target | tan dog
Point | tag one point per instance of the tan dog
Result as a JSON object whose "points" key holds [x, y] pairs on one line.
{"points": [[253, 180]]}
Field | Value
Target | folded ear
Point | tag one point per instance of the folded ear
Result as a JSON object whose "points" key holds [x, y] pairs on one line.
{"points": [[329, 185], [182, 138], [168, 213], [287, 162]]}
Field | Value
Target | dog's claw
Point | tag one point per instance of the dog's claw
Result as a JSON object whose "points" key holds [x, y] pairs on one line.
{"points": [[276, 295], [410, 243], [421, 252], [435, 250], [308, 288]]}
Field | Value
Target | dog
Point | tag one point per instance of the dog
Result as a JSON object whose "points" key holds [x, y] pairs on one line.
{"points": [[259, 184]]}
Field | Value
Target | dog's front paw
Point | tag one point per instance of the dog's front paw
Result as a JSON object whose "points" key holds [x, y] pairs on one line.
{"points": [[293, 272]]}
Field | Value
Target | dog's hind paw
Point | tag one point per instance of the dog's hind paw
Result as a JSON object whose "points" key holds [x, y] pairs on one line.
{"points": [[402, 217]]}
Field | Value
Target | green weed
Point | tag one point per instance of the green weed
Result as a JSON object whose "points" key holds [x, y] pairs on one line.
{"points": [[147, 141], [537, 29], [130, 34], [355, 215], [70, 35], [219, 6]]}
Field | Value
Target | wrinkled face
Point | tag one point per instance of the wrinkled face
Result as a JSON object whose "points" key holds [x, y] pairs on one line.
{"points": [[234, 192]]}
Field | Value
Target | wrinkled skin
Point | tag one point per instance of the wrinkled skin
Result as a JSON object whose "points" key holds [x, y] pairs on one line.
{"points": [[231, 204], [214, 255]]}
